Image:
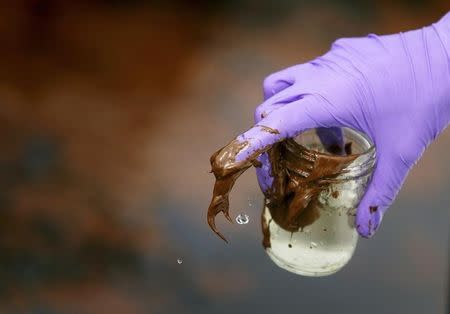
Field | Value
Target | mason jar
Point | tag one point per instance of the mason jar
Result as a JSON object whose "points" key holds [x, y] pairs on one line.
{"points": [[326, 245]]}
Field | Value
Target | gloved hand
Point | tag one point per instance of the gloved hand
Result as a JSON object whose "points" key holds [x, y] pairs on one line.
{"points": [[394, 88]]}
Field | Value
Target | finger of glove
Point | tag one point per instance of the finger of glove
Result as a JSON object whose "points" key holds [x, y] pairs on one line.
{"points": [[278, 100], [280, 87], [332, 140], [276, 82], [286, 122]]}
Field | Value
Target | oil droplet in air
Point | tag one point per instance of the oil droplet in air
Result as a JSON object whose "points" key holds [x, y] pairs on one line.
{"points": [[180, 260], [242, 219]]}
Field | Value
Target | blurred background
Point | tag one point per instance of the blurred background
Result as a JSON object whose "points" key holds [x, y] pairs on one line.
{"points": [[109, 111]]}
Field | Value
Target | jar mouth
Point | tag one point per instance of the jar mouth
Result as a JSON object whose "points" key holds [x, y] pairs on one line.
{"points": [[363, 150]]}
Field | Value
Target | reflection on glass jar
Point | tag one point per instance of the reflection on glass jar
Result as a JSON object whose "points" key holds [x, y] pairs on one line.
{"points": [[326, 243]]}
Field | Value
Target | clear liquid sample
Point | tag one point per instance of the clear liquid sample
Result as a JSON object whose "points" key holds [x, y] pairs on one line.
{"points": [[315, 251]]}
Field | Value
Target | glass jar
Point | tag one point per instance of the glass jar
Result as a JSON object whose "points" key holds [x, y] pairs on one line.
{"points": [[325, 246]]}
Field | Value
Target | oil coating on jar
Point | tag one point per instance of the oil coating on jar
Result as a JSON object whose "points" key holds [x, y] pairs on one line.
{"points": [[327, 244]]}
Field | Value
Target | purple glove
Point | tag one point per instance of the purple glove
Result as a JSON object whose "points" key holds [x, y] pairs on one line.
{"points": [[394, 88]]}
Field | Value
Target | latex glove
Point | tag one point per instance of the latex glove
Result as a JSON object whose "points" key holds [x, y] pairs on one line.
{"points": [[394, 88]]}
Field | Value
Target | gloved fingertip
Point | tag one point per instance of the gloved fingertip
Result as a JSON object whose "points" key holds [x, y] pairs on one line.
{"points": [[368, 220]]}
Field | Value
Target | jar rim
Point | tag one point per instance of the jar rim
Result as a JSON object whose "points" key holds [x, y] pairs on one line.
{"points": [[347, 131], [363, 161]]}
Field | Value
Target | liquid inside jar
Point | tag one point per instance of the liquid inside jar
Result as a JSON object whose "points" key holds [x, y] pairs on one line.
{"points": [[327, 244]]}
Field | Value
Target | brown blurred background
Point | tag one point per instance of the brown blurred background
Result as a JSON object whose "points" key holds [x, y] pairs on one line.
{"points": [[109, 111]]}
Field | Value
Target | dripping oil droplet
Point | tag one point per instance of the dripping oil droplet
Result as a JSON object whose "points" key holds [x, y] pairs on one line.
{"points": [[242, 219]]}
